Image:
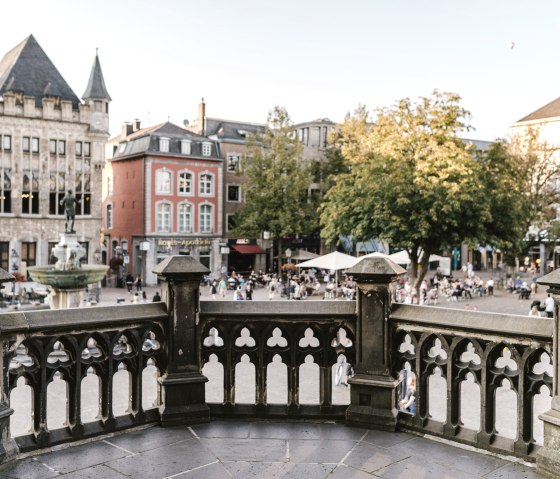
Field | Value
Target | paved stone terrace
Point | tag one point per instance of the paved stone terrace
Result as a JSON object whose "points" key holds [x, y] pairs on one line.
{"points": [[264, 450]]}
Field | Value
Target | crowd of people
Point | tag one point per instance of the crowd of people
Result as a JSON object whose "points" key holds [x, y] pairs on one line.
{"points": [[290, 285]]}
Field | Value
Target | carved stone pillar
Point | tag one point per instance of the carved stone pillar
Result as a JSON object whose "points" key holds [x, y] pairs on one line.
{"points": [[548, 457], [373, 392], [182, 382]]}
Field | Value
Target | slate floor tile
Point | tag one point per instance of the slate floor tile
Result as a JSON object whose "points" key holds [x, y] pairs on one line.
{"points": [[261, 470], [215, 470], [73, 458], [370, 458], [285, 430], [165, 461], [262, 450], [30, 468], [319, 451], [463, 460], [345, 472], [238, 429], [96, 472], [151, 438], [422, 468], [514, 471]]}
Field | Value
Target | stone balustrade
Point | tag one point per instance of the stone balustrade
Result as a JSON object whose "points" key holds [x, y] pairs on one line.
{"points": [[379, 338]]}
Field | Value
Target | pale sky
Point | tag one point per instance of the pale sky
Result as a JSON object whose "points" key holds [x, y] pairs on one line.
{"points": [[319, 59]]}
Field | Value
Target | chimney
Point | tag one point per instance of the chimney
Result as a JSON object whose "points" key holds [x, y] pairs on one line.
{"points": [[136, 124], [202, 117], [126, 129]]}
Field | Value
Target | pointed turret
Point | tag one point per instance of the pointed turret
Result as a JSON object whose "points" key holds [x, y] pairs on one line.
{"points": [[27, 69], [97, 97], [96, 89]]}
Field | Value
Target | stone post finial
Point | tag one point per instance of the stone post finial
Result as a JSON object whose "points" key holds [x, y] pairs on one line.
{"points": [[184, 398], [373, 393]]}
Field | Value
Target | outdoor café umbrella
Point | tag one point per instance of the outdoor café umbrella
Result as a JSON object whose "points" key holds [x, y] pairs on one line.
{"points": [[332, 261]]}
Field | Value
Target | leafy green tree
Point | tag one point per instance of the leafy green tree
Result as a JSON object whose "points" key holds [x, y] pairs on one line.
{"points": [[276, 191], [413, 181]]}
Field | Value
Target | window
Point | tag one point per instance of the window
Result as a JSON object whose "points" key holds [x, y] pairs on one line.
{"points": [[163, 182], [109, 185], [185, 147], [163, 218], [205, 219], [185, 218], [78, 148], [164, 145], [231, 223], [6, 191], [61, 147], [206, 149], [5, 255], [30, 193], [26, 144], [52, 147], [57, 182], [35, 145], [87, 149], [7, 142], [109, 216], [122, 147], [233, 163], [83, 191], [28, 253], [234, 193], [204, 258], [206, 184], [185, 183]]}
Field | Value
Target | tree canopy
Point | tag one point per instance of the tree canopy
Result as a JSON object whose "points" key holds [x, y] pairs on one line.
{"points": [[414, 183], [276, 191]]}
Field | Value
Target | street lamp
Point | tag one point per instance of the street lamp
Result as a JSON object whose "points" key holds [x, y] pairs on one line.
{"points": [[288, 254]]}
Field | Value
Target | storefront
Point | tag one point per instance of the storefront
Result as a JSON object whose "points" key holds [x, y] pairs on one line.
{"points": [[149, 252]]}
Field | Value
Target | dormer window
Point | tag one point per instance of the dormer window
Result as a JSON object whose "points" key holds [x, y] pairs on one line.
{"points": [[206, 149], [164, 145], [185, 147], [122, 147]]}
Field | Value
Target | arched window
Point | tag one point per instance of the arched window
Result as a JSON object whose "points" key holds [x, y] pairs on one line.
{"points": [[163, 182], [163, 217], [109, 217], [185, 183], [184, 214], [206, 219], [206, 184]]}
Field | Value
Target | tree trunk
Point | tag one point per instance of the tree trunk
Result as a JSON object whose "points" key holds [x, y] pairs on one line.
{"points": [[279, 245]]}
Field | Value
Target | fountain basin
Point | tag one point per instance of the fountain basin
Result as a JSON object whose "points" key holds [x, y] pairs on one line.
{"points": [[68, 279]]}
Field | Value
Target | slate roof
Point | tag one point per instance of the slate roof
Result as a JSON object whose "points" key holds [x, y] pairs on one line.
{"points": [[550, 110], [96, 85], [146, 140], [232, 130], [26, 68]]}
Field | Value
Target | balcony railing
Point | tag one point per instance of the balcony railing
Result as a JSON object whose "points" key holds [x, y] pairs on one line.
{"points": [[459, 350]]}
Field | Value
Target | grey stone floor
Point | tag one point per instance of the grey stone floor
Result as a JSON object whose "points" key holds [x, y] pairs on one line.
{"points": [[263, 449]]}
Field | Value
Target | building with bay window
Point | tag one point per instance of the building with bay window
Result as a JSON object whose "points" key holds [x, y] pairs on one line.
{"points": [[50, 142], [162, 195]]}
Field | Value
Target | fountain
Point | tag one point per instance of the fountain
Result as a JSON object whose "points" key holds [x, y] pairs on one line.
{"points": [[67, 278]]}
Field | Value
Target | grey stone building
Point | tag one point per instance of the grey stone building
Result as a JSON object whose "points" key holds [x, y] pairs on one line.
{"points": [[50, 142]]}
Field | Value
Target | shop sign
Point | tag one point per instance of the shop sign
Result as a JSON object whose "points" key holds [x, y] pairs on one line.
{"points": [[184, 242]]}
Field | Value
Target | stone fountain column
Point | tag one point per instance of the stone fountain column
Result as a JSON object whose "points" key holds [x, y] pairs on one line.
{"points": [[68, 278], [548, 457]]}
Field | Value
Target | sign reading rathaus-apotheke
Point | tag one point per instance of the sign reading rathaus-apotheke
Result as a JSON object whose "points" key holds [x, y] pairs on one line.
{"points": [[185, 242]]}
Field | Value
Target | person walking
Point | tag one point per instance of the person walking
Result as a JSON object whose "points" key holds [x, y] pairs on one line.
{"points": [[222, 287], [549, 306], [214, 289], [138, 283], [129, 281]]}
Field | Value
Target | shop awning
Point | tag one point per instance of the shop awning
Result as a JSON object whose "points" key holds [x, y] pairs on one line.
{"points": [[248, 249]]}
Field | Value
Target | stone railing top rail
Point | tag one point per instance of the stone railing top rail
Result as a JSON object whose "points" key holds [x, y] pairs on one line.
{"points": [[276, 309], [77, 319], [478, 322]]}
